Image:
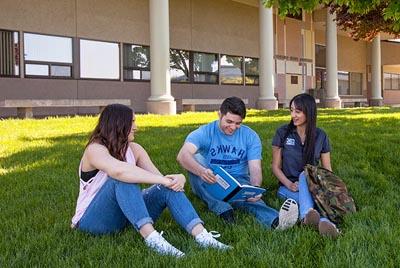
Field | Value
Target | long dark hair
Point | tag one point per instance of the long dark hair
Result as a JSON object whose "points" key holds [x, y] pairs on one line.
{"points": [[306, 103], [113, 128]]}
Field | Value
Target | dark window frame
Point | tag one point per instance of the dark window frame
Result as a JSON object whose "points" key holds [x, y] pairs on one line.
{"points": [[141, 69], [348, 82], [294, 79], [100, 79], [391, 81], [241, 66], [19, 54], [315, 50], [217, 74], [50, 63], [322, 72], [190, 75], [350, 75], [256, 77]]}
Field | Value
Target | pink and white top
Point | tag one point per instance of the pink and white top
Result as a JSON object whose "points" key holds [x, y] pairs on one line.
{"points": [[89, 189]]}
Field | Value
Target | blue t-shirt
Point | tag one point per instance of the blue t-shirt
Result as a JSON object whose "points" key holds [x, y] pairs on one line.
{"points": [[232, 152], [292, 150]]}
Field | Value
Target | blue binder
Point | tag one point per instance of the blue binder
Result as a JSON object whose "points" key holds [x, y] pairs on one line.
{"points": [[228, 189]]}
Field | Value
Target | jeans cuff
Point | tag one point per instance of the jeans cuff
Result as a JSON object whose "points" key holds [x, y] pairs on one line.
{"points": [[275, 223], [327, 220], [229, 206], [142, 222], [189, 227]]}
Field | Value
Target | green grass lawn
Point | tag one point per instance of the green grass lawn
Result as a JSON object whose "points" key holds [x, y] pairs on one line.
{"points": [[39, 187]]}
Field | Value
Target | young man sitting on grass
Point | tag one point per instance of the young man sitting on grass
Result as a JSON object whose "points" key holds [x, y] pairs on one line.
{"points": [[236, 148]]}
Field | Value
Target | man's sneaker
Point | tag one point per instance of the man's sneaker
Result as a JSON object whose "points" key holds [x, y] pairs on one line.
{"points": [[312, 218], [288, 214], [328, 229], [207, 240], [228, 216], [158, 243]]}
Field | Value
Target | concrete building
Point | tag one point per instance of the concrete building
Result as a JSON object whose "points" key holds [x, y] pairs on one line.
{"points": [[155, 52]]}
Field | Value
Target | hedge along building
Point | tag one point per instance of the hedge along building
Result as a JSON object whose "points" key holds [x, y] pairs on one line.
{"points": [[155, 52]]}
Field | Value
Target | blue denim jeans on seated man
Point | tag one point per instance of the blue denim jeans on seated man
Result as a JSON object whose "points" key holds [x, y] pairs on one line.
{"points": [[118, 203], [263, 213], [303, 196]]}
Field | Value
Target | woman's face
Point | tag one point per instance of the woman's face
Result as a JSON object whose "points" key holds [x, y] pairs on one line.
{"points": [[298, 117], [131, 136]]}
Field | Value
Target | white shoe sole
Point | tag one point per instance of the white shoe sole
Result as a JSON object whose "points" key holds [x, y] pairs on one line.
{"points": [[288, 214]]}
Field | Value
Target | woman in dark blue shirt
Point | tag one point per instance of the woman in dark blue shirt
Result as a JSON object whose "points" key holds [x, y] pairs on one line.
{"points": [[294, 145]]}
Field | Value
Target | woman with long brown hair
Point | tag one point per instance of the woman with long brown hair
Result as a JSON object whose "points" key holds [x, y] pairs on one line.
{"points": [[110, 198]]}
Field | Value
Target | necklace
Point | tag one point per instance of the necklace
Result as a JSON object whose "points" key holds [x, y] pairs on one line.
{"points": [[302, 138]]}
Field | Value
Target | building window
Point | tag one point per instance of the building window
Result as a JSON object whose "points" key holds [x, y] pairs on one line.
{"points": [[320, 70], [343, 83], [320, 56], [320, 78], [294, 79], [391, 81], [387, 80], [205, 68], [395, 81], [179, 66], [231, 70], [136, 62], [350, 83], [47, 56], [251, 71], [99, 60], [355, 83], [9, 53]]}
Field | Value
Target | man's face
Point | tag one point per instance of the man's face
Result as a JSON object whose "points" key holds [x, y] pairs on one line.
{"points": [[229, 123]]}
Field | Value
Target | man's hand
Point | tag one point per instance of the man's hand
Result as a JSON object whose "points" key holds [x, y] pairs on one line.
{"points": [[208, 176], [177, 183], [254, 199], [294, 186]]}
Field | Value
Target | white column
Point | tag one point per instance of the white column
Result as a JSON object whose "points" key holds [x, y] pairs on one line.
{"points": [[332, 99], [376, 85], [267, 99], [161, 100]]}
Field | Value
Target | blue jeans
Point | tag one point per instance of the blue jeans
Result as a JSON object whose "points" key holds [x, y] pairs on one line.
{"points": [[263, 213], [303, 196], [118, 203]]}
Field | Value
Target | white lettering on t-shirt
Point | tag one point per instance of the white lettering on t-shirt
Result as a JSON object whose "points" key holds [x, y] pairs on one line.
{"points": [[290, 141]]}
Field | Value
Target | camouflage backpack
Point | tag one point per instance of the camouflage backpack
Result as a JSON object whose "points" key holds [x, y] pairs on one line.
{"points": [[329, 192]]}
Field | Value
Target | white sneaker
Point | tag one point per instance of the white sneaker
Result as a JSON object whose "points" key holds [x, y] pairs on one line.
{"points": [[157, 242], [207, 239], [288, 214]]}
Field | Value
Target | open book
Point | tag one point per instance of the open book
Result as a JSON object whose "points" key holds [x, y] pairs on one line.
{"points": [[228, 189]]}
